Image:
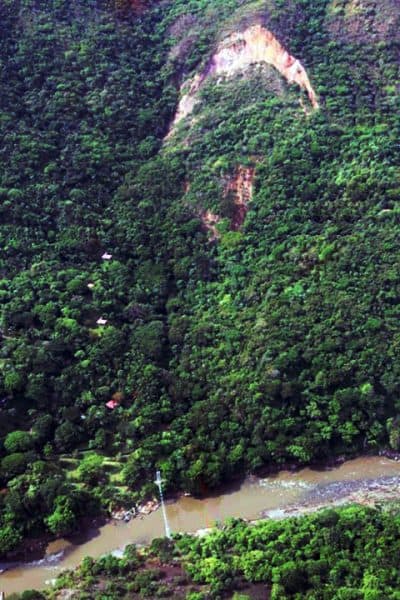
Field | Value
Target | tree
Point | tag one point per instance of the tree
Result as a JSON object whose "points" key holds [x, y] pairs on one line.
{"points": [[66, 436], [63, 519], [13, 381], [149, 339], [32, 595], [10, 537], [90, 469], [18, 441], [43, 428], [14, 464]]}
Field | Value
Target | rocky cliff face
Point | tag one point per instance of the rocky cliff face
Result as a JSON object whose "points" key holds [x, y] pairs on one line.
{"points": [[254, 45]]}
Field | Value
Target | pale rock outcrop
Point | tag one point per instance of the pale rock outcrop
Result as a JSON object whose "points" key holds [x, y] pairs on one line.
{"points": [[210, 220], [236, 53]]}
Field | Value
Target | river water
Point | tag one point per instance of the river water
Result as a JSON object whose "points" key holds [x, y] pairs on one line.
{"points": [[254, 498]]}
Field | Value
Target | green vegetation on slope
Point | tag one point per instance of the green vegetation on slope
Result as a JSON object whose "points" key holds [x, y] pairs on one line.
{"points": [[278, 342]]}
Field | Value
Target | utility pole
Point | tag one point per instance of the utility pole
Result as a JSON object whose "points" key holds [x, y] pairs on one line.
{"points": [[158, 482]]}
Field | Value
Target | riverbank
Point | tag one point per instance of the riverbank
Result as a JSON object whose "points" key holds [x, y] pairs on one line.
{"points": [[285, 493], [34, 549], [370, 494], [376, 494], [236, 557]]}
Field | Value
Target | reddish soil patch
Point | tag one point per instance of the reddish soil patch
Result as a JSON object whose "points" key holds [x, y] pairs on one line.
{"points": [[138, 6], [240, 189]]}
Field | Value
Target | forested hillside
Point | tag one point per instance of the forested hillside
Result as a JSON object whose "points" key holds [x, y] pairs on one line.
{"points": [[200, 262]]}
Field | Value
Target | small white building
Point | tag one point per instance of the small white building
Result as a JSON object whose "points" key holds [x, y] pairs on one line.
{"points": [[101, 321], [106, 256]]}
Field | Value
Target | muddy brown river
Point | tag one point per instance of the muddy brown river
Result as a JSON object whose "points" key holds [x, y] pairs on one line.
{"points": [[269, 497]]}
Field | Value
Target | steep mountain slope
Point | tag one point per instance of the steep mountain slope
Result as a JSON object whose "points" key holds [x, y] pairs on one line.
{"points": [[199, 227], [279, 352]]}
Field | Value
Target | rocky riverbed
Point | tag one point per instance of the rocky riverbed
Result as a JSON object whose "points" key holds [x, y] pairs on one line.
{"points": [[366, 492]]}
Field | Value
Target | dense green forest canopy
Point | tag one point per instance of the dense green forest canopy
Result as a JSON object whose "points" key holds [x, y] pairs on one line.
{"points": [[130, 338]]}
